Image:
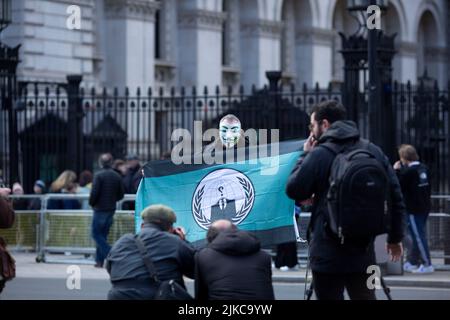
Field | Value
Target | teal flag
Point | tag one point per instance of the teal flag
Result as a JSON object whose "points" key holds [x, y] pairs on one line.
{"points": [[250, 193]]}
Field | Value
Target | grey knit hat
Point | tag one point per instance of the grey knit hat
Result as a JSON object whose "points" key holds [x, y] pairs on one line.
{"points": [[160, 214]]}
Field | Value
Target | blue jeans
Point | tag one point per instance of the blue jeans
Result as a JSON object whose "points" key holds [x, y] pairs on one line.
{"points": [[101, 223], [419, 253]]}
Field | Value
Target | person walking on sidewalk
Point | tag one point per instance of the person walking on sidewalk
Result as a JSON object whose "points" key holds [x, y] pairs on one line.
{"points": [[342, 251], [107, 189], [414, 180]]}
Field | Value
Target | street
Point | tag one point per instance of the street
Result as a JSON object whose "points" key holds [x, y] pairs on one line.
{"points": [[96, 289]]}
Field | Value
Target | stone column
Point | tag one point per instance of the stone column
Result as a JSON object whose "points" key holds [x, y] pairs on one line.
{"points": [[200, 45], [260, 50], [129, 32], [314, 56]]}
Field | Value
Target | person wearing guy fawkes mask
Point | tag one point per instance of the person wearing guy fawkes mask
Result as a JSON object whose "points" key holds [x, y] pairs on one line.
{"points": [[230, 137]]}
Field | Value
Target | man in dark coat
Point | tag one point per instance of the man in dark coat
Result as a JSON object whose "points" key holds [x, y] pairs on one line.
{"points": [[335, 266], [232, 266], [107, 189], [133, 176], [171, 255]]}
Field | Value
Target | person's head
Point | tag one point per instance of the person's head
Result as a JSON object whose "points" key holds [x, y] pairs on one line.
{"points": [[323, 115], [66, 180], [159, 214], [17, 188], [132, 160], [39, 187], [217, 227], [85, 178], [407, 153], [166, 155], [105, 160], [229, 130], [120, 166]]}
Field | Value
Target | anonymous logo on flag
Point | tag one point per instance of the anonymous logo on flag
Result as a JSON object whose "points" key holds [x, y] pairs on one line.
{"points": [[222, 194]]}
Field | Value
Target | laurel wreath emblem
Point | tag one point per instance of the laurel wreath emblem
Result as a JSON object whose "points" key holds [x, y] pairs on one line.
{"points": [[249, 196], [204, 222], [197, 210]]}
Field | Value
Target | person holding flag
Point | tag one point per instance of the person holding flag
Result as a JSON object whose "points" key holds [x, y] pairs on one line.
{"points": [[247, 191]]}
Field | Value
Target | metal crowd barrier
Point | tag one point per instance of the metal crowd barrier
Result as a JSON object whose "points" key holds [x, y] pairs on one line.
{"points": [[59, 235]]}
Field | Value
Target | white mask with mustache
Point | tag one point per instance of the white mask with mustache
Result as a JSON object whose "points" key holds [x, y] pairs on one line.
{"points": [[230, 132]]}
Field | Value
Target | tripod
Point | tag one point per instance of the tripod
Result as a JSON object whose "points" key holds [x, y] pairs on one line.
{"points": [[308, 292]]}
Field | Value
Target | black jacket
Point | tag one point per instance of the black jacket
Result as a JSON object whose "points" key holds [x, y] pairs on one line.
{"points": [[233, 267], [132, 179], [310, 178], [416, 188], [7, 215], [171, 256], [107, 189]]}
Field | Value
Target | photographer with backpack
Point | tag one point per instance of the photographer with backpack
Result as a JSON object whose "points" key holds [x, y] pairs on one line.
{"points": [[352, 185]]}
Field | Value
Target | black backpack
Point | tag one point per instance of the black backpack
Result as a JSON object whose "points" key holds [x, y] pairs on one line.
{"points": [[357, 199]]}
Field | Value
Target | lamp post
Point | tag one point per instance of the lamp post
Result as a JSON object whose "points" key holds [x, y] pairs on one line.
{"points": [[374, 109]]}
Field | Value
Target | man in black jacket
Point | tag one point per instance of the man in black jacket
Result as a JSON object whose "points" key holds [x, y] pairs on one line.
{"points": [[107, 189], [171, 255], [232, 266], [335, 266]]}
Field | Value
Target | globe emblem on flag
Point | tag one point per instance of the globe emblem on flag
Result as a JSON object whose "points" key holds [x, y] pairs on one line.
{"points": [[222, 194]]}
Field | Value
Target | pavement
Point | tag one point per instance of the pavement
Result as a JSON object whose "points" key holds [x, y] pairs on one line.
{"points": [[27, 267]]}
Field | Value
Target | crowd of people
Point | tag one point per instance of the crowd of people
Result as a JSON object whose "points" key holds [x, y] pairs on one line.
{"points": [[232, 264]]}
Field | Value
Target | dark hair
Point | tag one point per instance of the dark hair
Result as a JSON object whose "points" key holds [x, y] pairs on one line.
{"points": [[214, 231], [330, 110], [166, 155], [117, 163], [85, 178]]}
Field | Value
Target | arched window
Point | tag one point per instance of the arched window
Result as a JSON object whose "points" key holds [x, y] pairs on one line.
{"points": [[226, 34], [287, 46], [345, 23], [157, 38], [427, 41]]}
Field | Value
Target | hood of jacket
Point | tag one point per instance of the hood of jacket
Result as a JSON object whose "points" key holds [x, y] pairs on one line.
{"points": [[340, 131], [236, 243]]}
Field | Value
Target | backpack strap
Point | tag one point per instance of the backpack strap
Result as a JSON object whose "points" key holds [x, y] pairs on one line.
{"points": [[147, 261]]}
